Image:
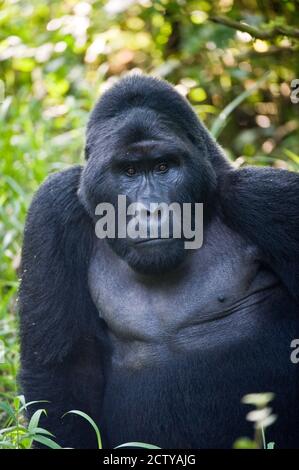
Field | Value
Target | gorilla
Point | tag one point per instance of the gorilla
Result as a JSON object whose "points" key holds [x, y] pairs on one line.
{"points": [[155, 342]]}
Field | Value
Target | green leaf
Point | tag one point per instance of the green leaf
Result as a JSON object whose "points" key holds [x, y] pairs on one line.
{"points": [[46, 441], [13, 429], [293, 156], [6, 444], [24, 407], [142, 445], [8, 409], [33, 423], [91, 422], [42, 431], [245, 443]]}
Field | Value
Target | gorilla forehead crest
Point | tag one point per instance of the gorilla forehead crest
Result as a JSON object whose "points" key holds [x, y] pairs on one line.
{"points": [[140, 92]]}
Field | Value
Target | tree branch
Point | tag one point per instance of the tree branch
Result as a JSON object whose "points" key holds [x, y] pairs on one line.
{"points": [[255, 32], [272, 51]]}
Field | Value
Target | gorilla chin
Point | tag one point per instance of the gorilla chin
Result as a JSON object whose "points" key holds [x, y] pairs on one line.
{"points": [[151, 256]]}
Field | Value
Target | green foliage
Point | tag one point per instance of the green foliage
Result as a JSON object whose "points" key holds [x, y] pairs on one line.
{"points": [[141, 445], [261, 417], [16, 435], [57, 57]]}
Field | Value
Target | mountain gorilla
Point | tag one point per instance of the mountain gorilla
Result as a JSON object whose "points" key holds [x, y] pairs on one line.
{"points": [[155, 342]]}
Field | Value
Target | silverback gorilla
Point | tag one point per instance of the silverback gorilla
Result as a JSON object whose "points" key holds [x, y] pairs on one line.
{"points": [[157, 343]]}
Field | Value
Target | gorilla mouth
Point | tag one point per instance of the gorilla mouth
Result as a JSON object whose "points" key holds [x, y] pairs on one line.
{"points": [[152, 241]]}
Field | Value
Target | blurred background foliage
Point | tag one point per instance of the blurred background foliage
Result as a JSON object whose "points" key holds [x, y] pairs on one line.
{"points": [[57, 57]]}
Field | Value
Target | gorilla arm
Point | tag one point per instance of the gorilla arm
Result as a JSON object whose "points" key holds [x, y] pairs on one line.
{"points": [[262, 204], [59, 322]]}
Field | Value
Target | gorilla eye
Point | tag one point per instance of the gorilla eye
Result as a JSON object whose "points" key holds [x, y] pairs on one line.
{"points": [[131, 171], [162, 167]]}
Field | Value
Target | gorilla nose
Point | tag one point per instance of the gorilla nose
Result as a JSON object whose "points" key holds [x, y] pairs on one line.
{"points": [[153, 220], [145, 212]]}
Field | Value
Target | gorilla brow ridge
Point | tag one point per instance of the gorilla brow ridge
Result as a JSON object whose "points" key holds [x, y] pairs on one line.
{"points": [[146, 92]]}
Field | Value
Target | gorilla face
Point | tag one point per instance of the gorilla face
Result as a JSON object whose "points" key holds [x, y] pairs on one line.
{"points": [[147, 158], [151, 172]]}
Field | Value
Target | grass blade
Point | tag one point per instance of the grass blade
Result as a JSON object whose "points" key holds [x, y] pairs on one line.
{"points": [[141, 445], [91, 422], [46, 442]]}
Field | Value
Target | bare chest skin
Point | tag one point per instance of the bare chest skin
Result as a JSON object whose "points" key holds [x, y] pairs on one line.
{"points": [[149, 318]]}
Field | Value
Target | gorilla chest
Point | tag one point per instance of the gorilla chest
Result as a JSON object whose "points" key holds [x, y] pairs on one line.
{"points": [[150, 316]]}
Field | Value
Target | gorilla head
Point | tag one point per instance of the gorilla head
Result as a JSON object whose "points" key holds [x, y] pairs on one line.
{"points": [[146, 143]]}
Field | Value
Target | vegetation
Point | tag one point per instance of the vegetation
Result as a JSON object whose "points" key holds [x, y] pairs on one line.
{"points": [[234, 60], [19, 435]]}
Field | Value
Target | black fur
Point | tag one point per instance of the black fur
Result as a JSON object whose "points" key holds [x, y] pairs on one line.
{"points": [[263, 205], [192, 399]]}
